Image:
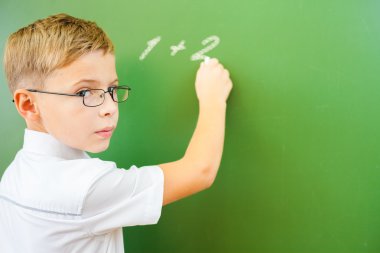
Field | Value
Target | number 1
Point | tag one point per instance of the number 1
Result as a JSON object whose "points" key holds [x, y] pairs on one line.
{"points": [[151, 44]]}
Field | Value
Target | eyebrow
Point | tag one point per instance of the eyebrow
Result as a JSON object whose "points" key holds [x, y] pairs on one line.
{"points": [[91, 81]]}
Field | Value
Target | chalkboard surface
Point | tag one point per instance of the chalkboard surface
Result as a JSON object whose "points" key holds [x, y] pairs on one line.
{"points": [[301, 164]]}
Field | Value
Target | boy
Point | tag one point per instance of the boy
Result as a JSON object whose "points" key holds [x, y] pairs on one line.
{"points": [[53, 196]]}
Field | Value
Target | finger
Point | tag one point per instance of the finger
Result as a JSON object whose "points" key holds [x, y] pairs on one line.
{"points": [[226, 74], [213, 61]]}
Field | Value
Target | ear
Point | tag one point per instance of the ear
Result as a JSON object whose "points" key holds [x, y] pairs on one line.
{"points": [[26, 104]]}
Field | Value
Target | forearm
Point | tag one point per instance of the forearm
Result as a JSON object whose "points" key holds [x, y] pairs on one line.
{"points": [[197, 169], [206, 145]]}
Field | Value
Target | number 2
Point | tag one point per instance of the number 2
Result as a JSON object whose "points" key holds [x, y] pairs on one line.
{"points": [[213, 40]]}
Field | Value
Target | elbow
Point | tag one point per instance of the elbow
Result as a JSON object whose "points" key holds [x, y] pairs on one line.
{"points": [[209, 175]]}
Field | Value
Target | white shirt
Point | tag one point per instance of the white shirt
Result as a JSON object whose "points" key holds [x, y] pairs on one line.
{"points": [[54, 198]]}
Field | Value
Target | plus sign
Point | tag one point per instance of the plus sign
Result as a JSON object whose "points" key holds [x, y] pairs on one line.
{"points": [[177, 48]]}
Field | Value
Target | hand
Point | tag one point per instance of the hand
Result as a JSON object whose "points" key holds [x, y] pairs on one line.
{"points": [[213, 83]]}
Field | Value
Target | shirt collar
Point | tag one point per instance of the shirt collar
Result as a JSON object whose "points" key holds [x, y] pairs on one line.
{"points": [[46, 144]]}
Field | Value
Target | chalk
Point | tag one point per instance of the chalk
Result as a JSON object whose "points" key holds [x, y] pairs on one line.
{"points": [[207, 59]]}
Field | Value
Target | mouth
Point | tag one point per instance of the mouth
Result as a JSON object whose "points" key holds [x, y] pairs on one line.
{"points": [[105, 132]]}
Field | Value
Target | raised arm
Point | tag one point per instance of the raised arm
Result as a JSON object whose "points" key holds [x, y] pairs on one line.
{"points": [[197, 169]]}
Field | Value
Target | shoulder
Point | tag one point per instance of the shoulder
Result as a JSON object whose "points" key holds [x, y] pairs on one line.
{"points": [[125, 197], [53, 186]]}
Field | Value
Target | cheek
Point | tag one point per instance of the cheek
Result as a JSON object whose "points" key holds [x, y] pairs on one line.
{"points": [[68, 122], [78, 131], [116, 116], [78, 120]]}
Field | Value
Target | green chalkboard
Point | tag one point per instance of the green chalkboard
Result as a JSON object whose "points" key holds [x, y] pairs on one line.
{"points": [[301, 165]]}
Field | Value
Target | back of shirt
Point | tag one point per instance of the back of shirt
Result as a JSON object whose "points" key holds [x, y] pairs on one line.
{"points": [[57, 199]]}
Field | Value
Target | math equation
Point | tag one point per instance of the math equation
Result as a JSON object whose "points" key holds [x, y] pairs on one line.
{"points": [[208, 43]]}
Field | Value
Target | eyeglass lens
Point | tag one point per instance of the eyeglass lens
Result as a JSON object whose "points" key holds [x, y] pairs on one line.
{"points": [[96, 97]]}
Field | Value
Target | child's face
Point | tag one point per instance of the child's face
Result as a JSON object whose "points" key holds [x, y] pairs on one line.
{"points": [[67, 118]]}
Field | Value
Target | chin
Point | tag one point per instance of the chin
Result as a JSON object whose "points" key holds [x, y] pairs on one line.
{"points": [[99, 148]]}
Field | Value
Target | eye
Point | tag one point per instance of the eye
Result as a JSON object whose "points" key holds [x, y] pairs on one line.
{"points": [[83, 93], [112, 88]]}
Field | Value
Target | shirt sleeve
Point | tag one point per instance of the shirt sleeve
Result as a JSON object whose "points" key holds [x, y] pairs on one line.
{"points": [[122, 198]]}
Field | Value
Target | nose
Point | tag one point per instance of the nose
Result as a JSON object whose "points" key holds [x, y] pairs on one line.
{"points": [[109, 107]]}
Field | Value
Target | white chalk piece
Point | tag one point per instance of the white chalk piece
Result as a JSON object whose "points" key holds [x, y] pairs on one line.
{"points": [[207, 59]]}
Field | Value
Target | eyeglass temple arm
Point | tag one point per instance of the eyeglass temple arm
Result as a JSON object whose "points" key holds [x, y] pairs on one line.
{"points": [[65, 94], [56, 93]]}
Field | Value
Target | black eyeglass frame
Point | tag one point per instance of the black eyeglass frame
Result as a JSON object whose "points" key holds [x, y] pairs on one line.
{"points": [[82, 93]]}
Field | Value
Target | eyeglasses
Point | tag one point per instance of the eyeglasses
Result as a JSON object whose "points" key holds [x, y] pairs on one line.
{"points": [[95, 97]]}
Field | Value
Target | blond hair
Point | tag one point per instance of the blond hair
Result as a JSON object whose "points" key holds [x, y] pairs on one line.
{"points": [[35, 51]]}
